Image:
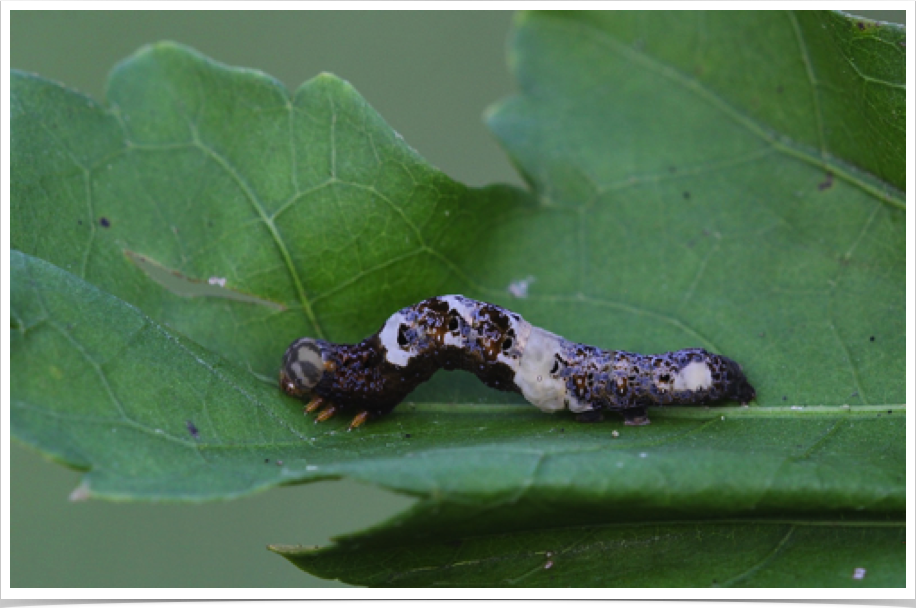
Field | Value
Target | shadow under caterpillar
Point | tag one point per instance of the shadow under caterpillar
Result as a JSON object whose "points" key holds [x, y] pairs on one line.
{"points": [[506, 353]]}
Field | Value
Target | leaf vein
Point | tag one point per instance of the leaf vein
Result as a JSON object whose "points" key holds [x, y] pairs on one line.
{"points": [[763, 562], [812, 81], [271, 227], [782, 143], [852, 366]]}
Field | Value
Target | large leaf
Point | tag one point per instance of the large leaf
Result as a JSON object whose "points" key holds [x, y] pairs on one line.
{"points": [[687, 195], [154, 415]]}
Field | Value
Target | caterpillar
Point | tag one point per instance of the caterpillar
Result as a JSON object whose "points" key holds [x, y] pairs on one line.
{"points": [[505, 352]]}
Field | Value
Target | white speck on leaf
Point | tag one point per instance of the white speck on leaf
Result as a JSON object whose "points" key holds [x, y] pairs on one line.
{"points": [[858, 574], [221, 281], [519, 288]]}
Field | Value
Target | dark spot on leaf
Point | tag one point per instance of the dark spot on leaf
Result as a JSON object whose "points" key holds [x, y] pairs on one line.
{"points": [[828, 181], [686, 195], [266, 460], [779, 89], [860, 25], [104, 222], [406, 435], [80, 222], [784, 397], [871, 339], [890, 411], [192, 429], [562, 430]]}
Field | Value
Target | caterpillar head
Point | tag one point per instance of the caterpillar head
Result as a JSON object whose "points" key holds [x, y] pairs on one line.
{"points": [[303, 365]]}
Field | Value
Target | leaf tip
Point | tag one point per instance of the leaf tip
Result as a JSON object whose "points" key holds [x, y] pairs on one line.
{"points": [[329, 80], [152, 49], [287, 550]]}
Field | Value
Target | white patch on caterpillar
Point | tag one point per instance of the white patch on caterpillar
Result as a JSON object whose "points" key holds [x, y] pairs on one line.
{"points": [[458, 304], [533, 378], [694, 377], [389, 338]]}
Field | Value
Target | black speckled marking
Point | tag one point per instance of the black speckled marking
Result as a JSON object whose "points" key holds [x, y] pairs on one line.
{"points": [[480, 338], [192, 429]]}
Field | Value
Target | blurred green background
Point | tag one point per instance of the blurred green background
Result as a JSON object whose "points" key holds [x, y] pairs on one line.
{"points": [[430, 75]]}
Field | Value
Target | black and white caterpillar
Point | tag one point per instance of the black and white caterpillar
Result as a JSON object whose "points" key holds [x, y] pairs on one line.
{"points": [[507, 353]]}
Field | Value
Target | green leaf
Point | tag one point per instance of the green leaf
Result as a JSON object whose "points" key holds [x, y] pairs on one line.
{"points": [[100, 386], [230, 210], [696, 184], [149, 414], [690, 554]]}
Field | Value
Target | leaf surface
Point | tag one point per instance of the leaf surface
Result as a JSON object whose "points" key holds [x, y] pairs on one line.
{"points": [[235, 212], [685, 554], [697, 182]]}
